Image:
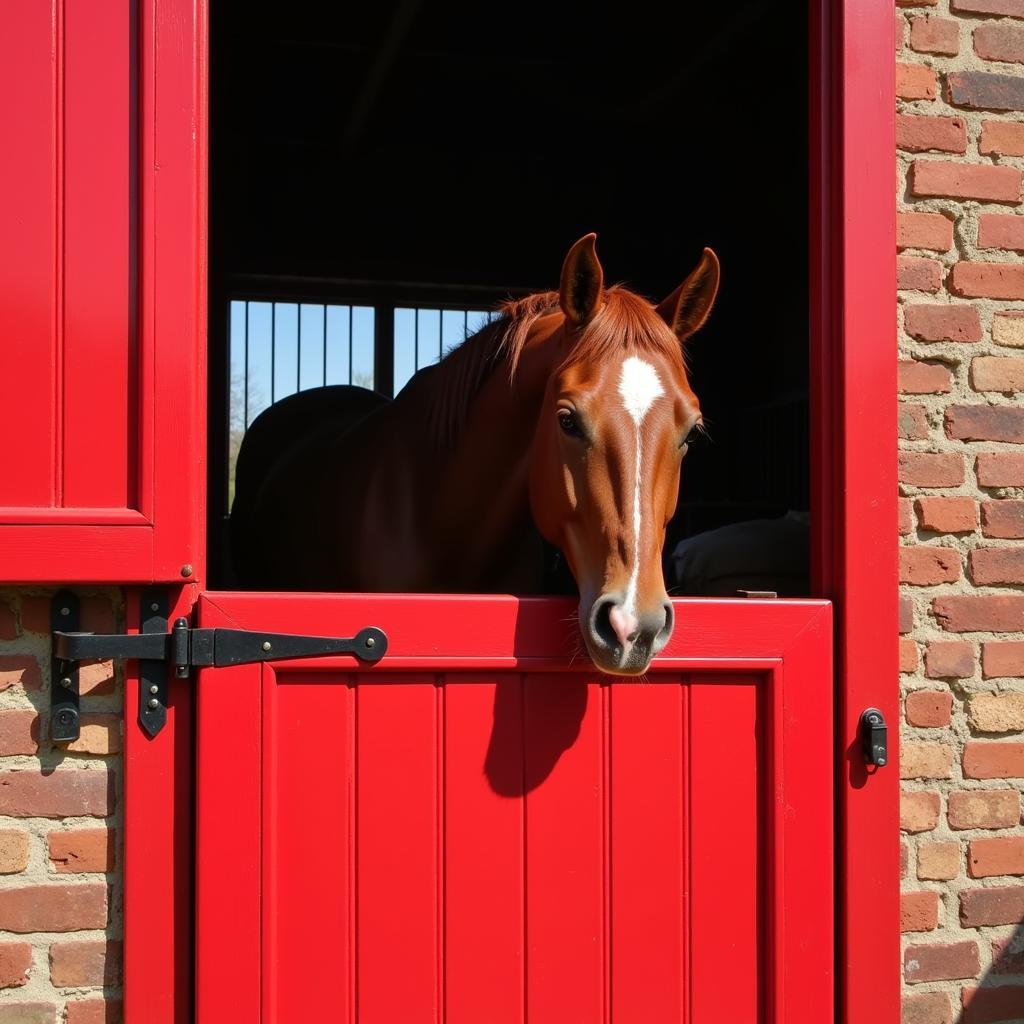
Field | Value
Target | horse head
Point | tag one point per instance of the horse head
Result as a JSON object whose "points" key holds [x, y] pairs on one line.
{"points": [[617, 419]]}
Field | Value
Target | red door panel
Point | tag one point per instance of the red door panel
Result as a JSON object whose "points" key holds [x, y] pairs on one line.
{"points": [[493, 834]]}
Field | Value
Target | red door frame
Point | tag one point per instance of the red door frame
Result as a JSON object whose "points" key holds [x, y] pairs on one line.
{"points": [[854, 468]]}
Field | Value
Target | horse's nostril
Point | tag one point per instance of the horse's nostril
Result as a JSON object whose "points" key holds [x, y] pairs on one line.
{"points": [[670, 621], [601, 623]]}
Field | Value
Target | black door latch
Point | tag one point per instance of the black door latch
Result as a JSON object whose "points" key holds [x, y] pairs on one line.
{"points": [[157, 648], [874, 737]]}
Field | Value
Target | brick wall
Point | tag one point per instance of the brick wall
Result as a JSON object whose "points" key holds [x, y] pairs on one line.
{"points": [[960, 139], [60, 898]]}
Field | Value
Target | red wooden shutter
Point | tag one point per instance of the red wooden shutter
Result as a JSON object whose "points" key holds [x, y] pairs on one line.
{"points": [[480, 829], [102, 309]]}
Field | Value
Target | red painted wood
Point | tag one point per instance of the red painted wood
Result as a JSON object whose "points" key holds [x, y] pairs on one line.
{"points": [[523, 842], [104, 281], [852, 141], [484, 850]]}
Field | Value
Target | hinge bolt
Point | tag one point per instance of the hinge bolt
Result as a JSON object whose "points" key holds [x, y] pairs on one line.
{"points": [[153, 702], [154, 607], [66, 682], [65, 611], [186, 571], [370, 641], [266, 645], [154, 689]]}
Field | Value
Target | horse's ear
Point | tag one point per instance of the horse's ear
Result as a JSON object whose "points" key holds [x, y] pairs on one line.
{"points": [[582, 287], [686, 309]]}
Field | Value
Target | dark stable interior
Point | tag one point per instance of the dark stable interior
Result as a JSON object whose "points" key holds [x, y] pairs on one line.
{"points": [[454, 151]]}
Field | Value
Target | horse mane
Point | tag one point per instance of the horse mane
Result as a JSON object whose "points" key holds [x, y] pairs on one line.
{"points": [[626, 322]]}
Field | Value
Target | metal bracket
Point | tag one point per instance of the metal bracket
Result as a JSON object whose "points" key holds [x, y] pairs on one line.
{"points": [[874, 737], [65, 723], [184, 648]]}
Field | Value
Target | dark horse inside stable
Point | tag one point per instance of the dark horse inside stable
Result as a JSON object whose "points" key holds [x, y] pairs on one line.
{"points": [[565, 420]]}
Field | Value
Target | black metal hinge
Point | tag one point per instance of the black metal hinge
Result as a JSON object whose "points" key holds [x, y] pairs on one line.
{"points": [[182, 647]]}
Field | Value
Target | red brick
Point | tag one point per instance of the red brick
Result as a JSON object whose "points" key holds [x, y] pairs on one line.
{"points": [[94, 1011], [926, 1008], [19, 732], [53, 908], [915, 82], [985, 422], [97, 615], [989, 1005], [1002, 905], [1001, 231], [84, 849], [949, 659], [904, 516], [100, 734], [965, 181], [35, 614], [988, 760], [96, 678], [971, 613], [998, 856], [919, 812], [988, 280], [28, 1013], [998, 712], [8, 625], [1002, 519], [981, 90], [929, 709], [935, 35], [983, 808], [1003, 137], [59, 793], [925, 760], [991, 566], [15, 961], [1012, 8], [906, 613], [947, 515], [1000, 469], [941, 961], [93, 962], [917, 378], [1008, 328], [918, 273], [1008, 955], [928, 566], [942, 322], [919, 133], [919, 911], [908, 655], [993, 373], [938, 861], [1000, 658], [931, 469], [912, 422], [996, 41], [13, 851], [924, 231], [19, 670]]}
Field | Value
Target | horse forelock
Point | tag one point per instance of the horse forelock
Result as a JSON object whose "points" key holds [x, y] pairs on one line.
{"points": [[626, 322]]}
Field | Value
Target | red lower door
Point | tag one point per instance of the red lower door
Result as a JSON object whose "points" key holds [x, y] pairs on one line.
{"points": [[480, 829]]}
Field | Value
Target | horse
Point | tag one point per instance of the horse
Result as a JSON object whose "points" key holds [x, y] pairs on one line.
{"points": [[565, 420]]}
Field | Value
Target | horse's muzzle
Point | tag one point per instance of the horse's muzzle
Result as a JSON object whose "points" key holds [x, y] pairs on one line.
{"points": [[622, 642]]}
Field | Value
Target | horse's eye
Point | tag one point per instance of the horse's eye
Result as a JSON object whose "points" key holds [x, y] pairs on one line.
{"points": [[691, 436], [569, 424]]}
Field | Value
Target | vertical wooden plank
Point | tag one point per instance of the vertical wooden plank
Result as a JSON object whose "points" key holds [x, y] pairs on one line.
{"points": [[98, 372], [31, 65], [308, 897], [726, 850], [398, 866], [228, 841], [646, 852], [484, 940], [565, 834]]}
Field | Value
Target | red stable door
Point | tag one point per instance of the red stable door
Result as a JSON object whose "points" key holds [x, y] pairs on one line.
{"points": [[475, 829]]}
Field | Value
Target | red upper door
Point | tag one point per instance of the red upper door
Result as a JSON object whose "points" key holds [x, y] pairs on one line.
{"points": [[479, 828], [101, 291]]}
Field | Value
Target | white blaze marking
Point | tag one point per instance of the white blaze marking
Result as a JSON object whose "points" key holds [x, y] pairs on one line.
{"points": [[639, 386]]}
